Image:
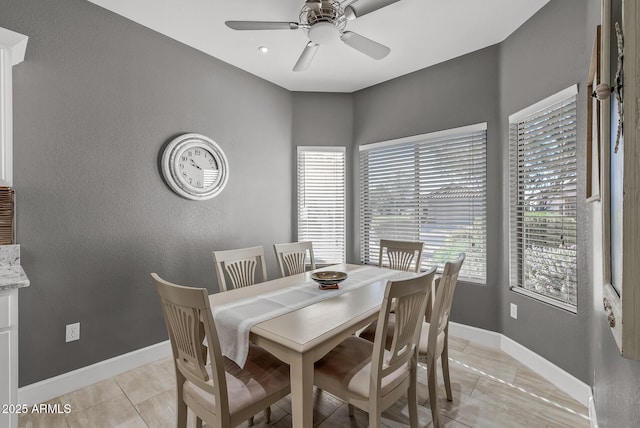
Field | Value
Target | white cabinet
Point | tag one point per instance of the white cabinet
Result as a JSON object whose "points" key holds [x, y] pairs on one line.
{"points": [[12, 278], [8, 356]]}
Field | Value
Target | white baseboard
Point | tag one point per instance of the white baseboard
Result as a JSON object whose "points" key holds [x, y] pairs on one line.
{"points": [[47, 389], [567, 383], [480, 336], [592, 413], [53, 387]]}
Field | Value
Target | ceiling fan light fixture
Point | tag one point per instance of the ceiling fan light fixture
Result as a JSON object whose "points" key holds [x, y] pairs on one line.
{"points": [[324, 33]]}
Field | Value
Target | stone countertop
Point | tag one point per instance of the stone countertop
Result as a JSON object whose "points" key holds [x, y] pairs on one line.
{"points": [[12, 277]]}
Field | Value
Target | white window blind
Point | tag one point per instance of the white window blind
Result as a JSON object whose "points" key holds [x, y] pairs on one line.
{"points": [[429, 188], [321, 201], [543, 201]]}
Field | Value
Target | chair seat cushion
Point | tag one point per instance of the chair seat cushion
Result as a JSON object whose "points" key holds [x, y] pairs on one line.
{"points": [[369, 334], [347, 368], [262, 375]]}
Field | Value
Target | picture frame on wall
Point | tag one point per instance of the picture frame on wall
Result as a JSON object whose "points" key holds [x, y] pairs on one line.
{"points": [[620, 199], [593, 124]]}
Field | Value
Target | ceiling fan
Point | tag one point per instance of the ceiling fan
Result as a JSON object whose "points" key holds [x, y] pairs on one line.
{"points": [[324, 21]]}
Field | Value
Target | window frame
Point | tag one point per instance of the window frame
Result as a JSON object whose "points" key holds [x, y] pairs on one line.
{"points": [[514, 259], [317, 250], [415, 141]]}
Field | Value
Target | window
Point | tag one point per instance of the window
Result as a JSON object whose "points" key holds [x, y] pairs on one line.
{"points": [[543, 200], [321, 202], [430, 188]]}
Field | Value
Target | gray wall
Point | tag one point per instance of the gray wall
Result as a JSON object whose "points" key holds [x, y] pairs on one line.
{"points": [[549, 53], [95, 101], [456, 93]]}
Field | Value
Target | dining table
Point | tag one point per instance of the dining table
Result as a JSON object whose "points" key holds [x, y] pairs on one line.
{"points": [[303, 333]]}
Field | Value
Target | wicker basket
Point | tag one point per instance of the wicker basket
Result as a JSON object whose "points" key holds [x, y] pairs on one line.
{"points": [[7, 223]]}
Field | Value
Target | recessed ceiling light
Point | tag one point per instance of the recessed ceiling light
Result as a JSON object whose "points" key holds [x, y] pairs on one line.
{"points": [[263, 49]]}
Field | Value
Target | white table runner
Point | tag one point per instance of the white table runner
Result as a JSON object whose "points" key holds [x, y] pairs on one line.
{"points": [[234, 320]]}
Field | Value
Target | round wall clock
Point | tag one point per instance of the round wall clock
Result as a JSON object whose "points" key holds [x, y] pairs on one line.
{"points": [[195, 167]]}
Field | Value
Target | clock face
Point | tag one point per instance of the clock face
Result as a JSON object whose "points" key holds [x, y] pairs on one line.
{"points": [[195, 167]]}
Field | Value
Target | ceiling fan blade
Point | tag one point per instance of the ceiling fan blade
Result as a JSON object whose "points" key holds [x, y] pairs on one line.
{"points": [[262, 25], [363, 7], [306, 57], [367, 46]]}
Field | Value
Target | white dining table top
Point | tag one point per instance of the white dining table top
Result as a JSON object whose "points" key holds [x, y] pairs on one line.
{"points": [[303, 328]]}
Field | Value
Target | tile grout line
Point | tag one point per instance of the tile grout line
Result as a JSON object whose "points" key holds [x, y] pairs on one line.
{"points": [[130, 402]]}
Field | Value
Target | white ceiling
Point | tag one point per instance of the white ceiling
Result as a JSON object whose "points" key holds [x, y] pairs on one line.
{"points": [[420, 33]]}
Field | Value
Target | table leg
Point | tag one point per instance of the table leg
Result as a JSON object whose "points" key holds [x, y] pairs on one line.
{"points": [[302, 392]]}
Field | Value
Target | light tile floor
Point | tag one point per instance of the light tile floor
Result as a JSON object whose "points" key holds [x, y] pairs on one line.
{"points": [[490, 389]]}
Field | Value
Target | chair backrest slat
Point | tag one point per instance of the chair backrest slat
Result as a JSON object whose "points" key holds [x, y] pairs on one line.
{"points": [[292, 257], [401, 254], [239, 266], [241, 272], [186, 328], [407, 312], [294, 262]]}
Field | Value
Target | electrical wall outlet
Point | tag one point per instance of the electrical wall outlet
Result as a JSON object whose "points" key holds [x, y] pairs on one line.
{"points": [[514, 311], [73, 332]]}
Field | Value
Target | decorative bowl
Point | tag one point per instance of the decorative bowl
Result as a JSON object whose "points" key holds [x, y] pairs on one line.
{"points": [[328, 277]]}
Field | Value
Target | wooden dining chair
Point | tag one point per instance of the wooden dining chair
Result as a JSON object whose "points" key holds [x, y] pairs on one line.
{"points": [[218, 391], [401, 254], [365, 374], [292, 258], [239, 266], [434, 339], [434, 336]]}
